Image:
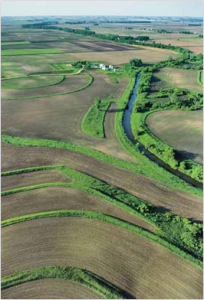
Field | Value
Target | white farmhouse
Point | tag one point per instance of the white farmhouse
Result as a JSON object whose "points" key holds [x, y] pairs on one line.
{"points": [[104, 68], [111, 67], [101, 66]]}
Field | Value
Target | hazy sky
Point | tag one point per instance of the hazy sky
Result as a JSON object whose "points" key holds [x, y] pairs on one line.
{"points": [[95, 7]]}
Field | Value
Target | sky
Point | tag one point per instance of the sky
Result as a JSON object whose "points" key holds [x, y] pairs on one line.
{"points": [[105, 7]]}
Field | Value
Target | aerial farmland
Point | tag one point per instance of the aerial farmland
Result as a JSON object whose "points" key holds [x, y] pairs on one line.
{"points": [[102, 157]]}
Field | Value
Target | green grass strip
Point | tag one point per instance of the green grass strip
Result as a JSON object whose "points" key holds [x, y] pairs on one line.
{"points": [[93, 121], [16, 84], [11, 52], [81, 276], [199, 77], [160, 175], [107, 219], [91, 79], [14, 43]]}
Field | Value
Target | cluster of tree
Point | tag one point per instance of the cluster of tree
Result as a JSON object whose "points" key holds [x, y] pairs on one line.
{"points": [[186, 32], [75, 23], [40, 24], [192, 100], [133, 67], [83, 63], [164, 31], [142, 38], [112, 37], [182, 232]]}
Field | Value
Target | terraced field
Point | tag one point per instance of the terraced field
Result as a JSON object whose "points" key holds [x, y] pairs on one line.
{"points": [[85, 213]]}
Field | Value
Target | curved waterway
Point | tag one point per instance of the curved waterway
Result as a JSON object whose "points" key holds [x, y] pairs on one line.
{"points": [[152, 157]]}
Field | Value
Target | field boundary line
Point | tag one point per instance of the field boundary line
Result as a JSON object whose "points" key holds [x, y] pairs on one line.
{"points": [[82, 277]]}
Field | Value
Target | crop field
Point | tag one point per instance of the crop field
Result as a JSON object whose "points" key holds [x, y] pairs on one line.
{"points": [[87, 213], [182, 130], [166, 78], [63, 85]]}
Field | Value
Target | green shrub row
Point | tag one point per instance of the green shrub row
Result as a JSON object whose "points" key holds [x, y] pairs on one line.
{"points": [[81, 276]]}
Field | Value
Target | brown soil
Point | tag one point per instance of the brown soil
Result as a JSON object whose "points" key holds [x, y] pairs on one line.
{"points": [[62, 198], [69, 84], [33, 178], [127, 260], [49, 289], [156, 193]]}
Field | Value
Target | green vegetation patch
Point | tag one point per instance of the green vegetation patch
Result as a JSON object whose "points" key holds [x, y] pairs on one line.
{"points": [[200, 77], [93, 121], [31, 82], [80, 276], [30, 51], [14, 43]]}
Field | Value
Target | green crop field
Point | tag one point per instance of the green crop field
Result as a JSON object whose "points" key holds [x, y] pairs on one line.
{"points": [[29, 52], [101, 157]]}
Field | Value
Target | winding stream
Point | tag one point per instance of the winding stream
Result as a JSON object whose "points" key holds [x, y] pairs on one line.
{"points": [[151, 156]]}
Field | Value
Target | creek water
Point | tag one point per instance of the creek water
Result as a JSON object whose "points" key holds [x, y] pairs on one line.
{"points": [[151, 156]]}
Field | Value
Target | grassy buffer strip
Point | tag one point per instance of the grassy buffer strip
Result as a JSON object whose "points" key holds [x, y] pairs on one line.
{"points": [[81, 276], [6, 85], [123, 200], [199, 77], [14, 52], [91, 79], [93, 121]]}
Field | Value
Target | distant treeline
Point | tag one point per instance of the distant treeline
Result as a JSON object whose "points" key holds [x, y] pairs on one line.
{"points": [[164, 31], [191, 24], [131, 22], [75, 23], [140, 41], [41, 24], [186, 32]]}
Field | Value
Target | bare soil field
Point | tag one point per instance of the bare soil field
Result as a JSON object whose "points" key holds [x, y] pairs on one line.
{"points": [[183, 130], [63, 198], [122, 57], [49, 289], [60, 117], [169, 77], [180, 203], [33, 178], [69, 84], [125, 259]]}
